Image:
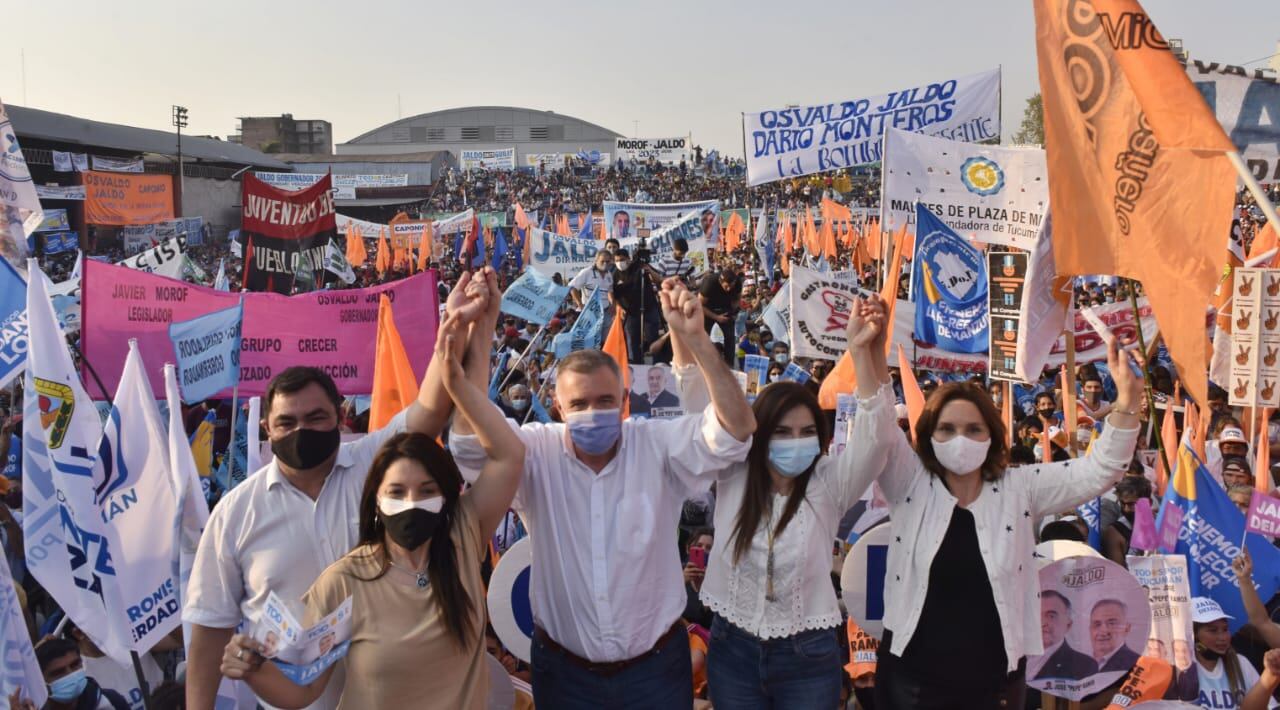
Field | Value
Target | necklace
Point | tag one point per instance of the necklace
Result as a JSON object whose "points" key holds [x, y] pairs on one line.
{"points": [[769, 596], [421, 576]]}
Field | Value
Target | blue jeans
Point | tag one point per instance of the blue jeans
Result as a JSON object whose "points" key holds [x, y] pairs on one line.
{"points": [[800, 671], [662, 680]]}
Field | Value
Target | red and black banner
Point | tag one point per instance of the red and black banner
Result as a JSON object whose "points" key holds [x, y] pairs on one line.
{"points": [[277, 225]]}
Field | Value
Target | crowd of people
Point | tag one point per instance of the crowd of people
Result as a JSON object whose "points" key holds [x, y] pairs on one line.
{"points": [[680, 560]]}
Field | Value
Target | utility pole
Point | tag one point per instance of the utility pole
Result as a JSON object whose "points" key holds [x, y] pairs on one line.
{"points": [[180, 122]]}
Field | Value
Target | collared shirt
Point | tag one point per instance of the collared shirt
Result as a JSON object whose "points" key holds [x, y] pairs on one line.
{"points": [[589, 279], [1004, 514], [267, 536], [607, 581]]}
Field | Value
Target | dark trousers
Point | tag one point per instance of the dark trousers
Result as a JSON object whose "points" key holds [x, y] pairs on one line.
{"points": [[663, 680], [898, 688], [638, 339], [730, 347], [746, 673]]}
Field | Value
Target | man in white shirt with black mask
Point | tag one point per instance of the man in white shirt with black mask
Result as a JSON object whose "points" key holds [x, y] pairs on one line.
{"points": [[601, 497]]}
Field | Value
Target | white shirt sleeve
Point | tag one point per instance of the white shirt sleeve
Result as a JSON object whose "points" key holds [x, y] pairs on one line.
{"points": [[1063, 485], [875, 427], [696, 447], [580, 278], [216, 587]]}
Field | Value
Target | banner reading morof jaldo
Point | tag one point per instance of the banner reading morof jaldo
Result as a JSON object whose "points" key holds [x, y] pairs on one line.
{"points": [[277, 225], [122, 199], [332, 330]]}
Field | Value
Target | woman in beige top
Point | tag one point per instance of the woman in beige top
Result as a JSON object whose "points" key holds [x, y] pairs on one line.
{"points": [[418, 615]]}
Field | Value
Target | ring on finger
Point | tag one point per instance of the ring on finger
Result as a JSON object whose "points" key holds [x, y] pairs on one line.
{"points": [[240, 655]]}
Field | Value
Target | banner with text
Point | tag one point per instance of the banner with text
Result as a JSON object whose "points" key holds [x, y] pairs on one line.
{"points": [[500, 159], [117, 200], [639, 219], [801, 140], [60, 192], [332, 330], [344, 186], [277, 225], [820, 308], [661, 242], [983, 192], [551, 253], [665, 150], [1247, 104]]}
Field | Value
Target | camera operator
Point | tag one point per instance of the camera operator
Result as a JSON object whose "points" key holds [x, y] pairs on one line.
{"points": [[635, 292]]}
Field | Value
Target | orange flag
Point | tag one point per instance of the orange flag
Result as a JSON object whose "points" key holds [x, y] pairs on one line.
{"points": [[424, 247], [394, 384], [875, 241], [522, 219], [1149, 679], [1262, 469], [911, 391], [383, 261], [356, 253], [784, 235], [615, 346], [562, 225], [827, 239], [1139, 159], [1168, 437], [863, 648], [733, 232], [812, 245], [1263, 242]]}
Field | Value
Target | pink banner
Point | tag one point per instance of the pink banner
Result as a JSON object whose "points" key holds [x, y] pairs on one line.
{"points": [[1264, 515], [333, 330]]}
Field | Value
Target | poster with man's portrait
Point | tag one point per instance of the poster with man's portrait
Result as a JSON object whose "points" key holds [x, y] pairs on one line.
{"points": [[1095, 622], [653, 392]]}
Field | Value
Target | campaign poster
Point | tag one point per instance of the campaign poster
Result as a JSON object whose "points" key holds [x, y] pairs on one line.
{"points": [[1007, 277], [664, 150], [653, 393], [1095, 622], [623, 220]]}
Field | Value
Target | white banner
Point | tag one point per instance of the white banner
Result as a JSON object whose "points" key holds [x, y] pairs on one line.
{"points": [[631, 219], [117, 165], [546, 161], [460, 222], [660, 243], [62, 162], [501, 159], [550, 253], [820, 308], [985, 193], [368, 230], [164, 259], [60, 192], [20, 211], [344, 186], [1247, 104], [801, 140], [665, 150]]}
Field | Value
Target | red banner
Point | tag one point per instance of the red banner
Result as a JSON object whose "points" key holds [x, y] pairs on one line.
{"points": [[278, 225]]}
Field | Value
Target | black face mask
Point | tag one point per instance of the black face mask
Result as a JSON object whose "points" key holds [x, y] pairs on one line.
{"points": [[1208, 653], [304, 449], [411, 528]]}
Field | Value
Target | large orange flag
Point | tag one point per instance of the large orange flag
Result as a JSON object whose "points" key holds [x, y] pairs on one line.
{"points": [[383, 261], [394, 384], [1263, 242], [812, 245], [911, 391], [1138, 159], [424, 247], [827, 239], [733, 232], [615, 346], [356, 253]]}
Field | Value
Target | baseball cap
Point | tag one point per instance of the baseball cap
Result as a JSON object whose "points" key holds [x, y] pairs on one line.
{"points": [[1232, 434], [1205, 610]]}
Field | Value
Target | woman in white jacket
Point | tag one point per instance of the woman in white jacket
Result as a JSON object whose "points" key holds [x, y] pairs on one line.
{"points": [[961, 588], [775, 638]]}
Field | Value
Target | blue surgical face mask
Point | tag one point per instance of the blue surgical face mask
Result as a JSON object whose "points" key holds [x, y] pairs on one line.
{"points": [[595, 431], [68, 687], [519, 404], [792, 457]]}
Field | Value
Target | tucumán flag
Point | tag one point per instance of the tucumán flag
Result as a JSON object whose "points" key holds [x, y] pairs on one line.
{"points": [[1137, 165], [280, 224]]}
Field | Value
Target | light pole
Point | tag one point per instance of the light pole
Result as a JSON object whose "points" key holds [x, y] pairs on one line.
{"points": [[180, 122]]}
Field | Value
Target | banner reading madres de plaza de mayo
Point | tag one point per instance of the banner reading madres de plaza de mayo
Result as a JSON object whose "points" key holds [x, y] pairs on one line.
{"points": [[277, 224], [801, 140], [332, 330]]}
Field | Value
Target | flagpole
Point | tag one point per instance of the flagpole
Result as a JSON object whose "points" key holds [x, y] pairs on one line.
{"points": [[515, 366], [142, 680], [1264, 203], [1146, 379]]}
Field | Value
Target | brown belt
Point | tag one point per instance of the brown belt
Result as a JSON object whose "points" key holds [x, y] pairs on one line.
{"points": [[613, 667]]}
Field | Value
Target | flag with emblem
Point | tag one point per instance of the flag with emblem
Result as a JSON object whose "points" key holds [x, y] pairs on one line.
{"points": [[335, 262]]}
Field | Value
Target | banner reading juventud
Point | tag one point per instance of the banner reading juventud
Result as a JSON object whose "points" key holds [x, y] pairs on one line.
{"points": [[277, 225], [801, 140]]}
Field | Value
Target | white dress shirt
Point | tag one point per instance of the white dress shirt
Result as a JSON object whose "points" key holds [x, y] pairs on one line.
{"points": [[804, 596], [1004, 514], [267, 536], [607, 581], [589, 279]]}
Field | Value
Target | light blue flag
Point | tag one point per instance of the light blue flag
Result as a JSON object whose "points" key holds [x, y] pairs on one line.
{"points": [[14, 336], [539, 411], [498, 372], [20, 669], [208, 351], [586, 331], [534, 298], [949, 282], [1209, 536]]}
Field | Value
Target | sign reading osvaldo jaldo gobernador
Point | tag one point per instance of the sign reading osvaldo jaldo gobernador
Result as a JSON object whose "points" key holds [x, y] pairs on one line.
{"points": [[122, 199]]}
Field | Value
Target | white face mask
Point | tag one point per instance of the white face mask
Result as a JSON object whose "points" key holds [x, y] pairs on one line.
{"points": [[391, 506], [960, 454]]}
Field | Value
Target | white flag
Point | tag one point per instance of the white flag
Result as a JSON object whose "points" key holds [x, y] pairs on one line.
{"points": [[68, 547], [135, 494], [220, 282], [820, 308], [336, 263], [75, 272], [192, 510], [777, 315], [20, 669], [20, 210], [1044, 317]]}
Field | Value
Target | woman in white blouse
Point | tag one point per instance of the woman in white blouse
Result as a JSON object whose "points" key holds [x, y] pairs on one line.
{"points": [[961, 589], [775, 638]]}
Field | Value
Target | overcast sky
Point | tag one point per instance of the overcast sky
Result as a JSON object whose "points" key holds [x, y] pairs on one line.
{"points": [[674, 67]]}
